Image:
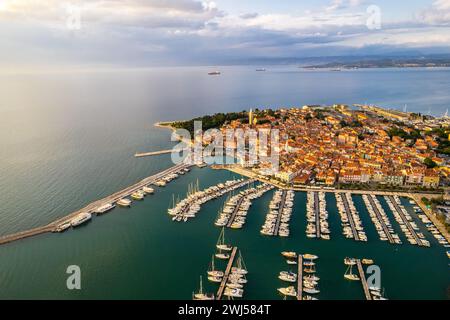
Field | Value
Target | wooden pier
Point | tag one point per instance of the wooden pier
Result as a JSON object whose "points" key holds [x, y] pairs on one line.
{"points": [[380, 218], [349, 216], [90, 208], [280, 210], [317, 214], [223, 284], [235, 211], [300, 277], [362, 276], [406, 221]]}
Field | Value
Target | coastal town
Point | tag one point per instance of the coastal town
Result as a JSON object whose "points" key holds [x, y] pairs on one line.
{"points": [[365, 147]]}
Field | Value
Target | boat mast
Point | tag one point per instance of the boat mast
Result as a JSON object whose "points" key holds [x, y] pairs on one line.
{"points": [[201, 285], [241, 263], [348, 269]]}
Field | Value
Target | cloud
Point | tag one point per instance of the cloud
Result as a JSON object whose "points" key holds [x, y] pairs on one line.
{"points": [[344, 4], [140, 13], [249, 15], [142, 32], [291, 23], [437, 14]]}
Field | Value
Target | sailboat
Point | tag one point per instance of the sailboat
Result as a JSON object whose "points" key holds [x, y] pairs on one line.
{"points": [[200, 295], [349, 275], [240, 266], [221, 242], [213, 272]]}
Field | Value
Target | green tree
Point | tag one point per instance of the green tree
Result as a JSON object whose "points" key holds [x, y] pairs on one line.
{"points": [[430, 163]]}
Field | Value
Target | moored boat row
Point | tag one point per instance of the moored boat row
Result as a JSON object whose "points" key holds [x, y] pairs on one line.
{"points": [[317, 216], [279, 216], [380, 220], [190, 206], [352, 227], [406, 222], [304, 283], [430, 225], [235, 211], [231, 281], [168, 178]]}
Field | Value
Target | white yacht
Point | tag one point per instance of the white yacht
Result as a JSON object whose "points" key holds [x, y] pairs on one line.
{"points": [[289, 291], [289, 254], [148, 190], [234, 293], [137, 195], [81, 218], [63, 227], [213, 272], [104, 208], [124, 202], [287, 276]]}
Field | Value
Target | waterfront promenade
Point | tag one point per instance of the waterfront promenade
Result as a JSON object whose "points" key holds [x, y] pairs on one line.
{"points": [[90, 208]]}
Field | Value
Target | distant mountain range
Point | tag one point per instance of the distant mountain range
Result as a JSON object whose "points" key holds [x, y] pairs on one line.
{"points": [[353, 62], [385, 63]]}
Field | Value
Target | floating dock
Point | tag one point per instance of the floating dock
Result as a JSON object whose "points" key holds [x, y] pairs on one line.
{"points": [[280, 210], [235, 211], [300, 277], [406, 221], [380, 219], [349, 216], [317, 214], [90, 208], [221, 289], [362, 276]]}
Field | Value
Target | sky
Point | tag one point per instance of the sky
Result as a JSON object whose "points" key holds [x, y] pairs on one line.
{"points": [[54, 33]]}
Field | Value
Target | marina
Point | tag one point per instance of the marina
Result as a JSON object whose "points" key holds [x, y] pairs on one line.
{"points": [[351, 223], [406, 222], [317, 216], [380, 220], [304, 282], [235, 211], [232, 280], [279, 216], [187, 208]]}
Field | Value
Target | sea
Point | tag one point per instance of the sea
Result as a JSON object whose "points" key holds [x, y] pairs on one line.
{"points": [[69, 138]]}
